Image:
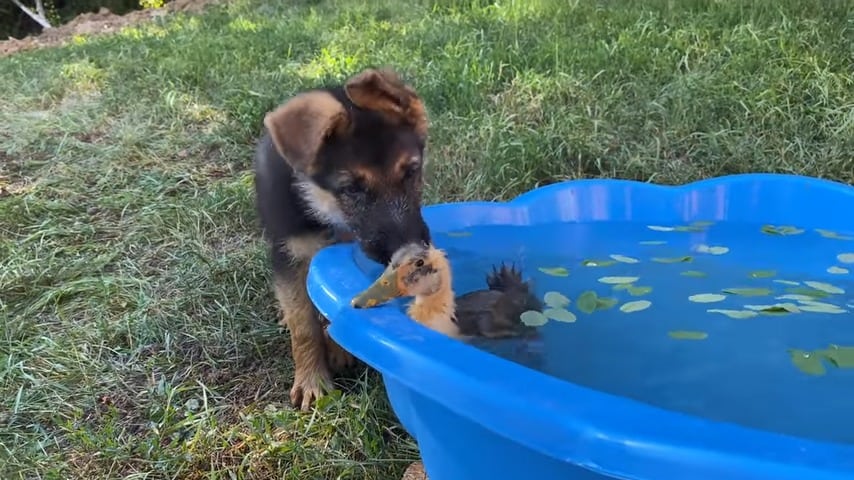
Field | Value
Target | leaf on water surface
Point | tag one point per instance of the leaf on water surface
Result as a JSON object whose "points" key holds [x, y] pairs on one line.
{"points": [[748, 292], [810, 292], [688, 335], [599, 263], [685, 259], [623, 258], [688, 228], [794, 296], [560, 315], [554, 271], [832, 234], [693, 273], [635, 306], [658, 228], [556, 300], [712, 250], [586, 302], [653, 242], [458, 234], [786, 282], [533, 318], [840, 357], [707, 297], [604, 303], [776, 309], [781, 230], [845, 257], [824, 287], [737, 314], [807, 362], [837, 270], [615, 280], [637, 291], [820, 307], [763, 273]]}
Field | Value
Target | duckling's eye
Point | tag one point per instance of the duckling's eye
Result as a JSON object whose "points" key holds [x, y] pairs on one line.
{"points": [[419, 263]]}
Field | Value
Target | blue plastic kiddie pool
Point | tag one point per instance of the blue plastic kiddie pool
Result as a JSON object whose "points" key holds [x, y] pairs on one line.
{"points": [[696, 332]]}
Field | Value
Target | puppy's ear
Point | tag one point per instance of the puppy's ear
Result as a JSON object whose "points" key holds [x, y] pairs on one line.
{"points": [[300, 126], [383, 91]]}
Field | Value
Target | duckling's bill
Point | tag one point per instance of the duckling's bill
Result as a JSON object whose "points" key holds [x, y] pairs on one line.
{"points": [[381, 291]]}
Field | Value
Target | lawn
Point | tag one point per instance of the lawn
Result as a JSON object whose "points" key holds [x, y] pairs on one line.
{"points": [[139, 337]]}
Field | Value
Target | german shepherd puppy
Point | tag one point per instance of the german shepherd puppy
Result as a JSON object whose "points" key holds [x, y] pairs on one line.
{"points": [[336, 164]]}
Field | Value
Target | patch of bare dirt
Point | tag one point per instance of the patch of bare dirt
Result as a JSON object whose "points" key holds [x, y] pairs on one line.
{"points": [[99, 23]]}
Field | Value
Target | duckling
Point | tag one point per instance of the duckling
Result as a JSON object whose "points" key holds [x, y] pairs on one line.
{"points": [[423, 271]]}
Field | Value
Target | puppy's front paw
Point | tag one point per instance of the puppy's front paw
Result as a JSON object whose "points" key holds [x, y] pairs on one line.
{"points": [[308, 387]]}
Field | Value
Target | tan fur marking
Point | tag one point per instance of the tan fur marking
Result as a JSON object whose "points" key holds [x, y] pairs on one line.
{"points": [[306, 246], [322, 204], [300, 125], [312, 377], [382, 90]]}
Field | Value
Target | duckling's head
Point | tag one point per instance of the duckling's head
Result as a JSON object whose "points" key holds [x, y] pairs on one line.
{"points": [[415, 270]]}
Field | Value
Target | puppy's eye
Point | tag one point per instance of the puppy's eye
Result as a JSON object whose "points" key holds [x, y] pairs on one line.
{"points": [[412, 169], [353, 187], [419, 263]]}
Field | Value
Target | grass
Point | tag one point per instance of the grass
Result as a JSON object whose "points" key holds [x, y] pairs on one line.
{"points": [[138, 330]]}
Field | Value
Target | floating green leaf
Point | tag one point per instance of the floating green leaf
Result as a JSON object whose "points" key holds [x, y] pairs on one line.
{"points": [[737, 314], [637, 291], [560, 315], [748, 292], [635, 306], [586, 302], [837, 270], [776, 309], [786, 282], [556, 300], [623, 258], [621, 286], [781, 230], [807, 362], [598, 263], [615, 280], [845, 257], [693, 273], [685, 259], [820, 307], [824, 287], [533, 318], [658, 228], [707, 298], [688, 335], [794, 296], [763, 273], [555, 271], [604, 303], [688, 228], [840, 357], [712, 250], [810, 292], [832, 234], [459, 234], [653, 242]]}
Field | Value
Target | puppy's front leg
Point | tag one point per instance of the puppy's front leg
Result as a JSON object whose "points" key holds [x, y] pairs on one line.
{"points": [[312, 378]]}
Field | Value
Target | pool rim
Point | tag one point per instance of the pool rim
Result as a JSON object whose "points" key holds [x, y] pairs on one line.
{"points": [[596, 430]]}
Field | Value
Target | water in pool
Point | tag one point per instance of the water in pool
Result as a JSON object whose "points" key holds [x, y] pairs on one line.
{"points": [[731, 322]]}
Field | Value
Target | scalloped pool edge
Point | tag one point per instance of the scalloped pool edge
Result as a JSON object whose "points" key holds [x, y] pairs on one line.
{"points": [[607, 434]]}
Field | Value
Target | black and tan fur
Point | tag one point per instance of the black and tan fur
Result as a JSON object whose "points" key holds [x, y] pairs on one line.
{"points": [[334, 164]]}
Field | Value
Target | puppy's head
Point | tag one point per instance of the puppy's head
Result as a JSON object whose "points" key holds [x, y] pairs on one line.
{"points": [[360, 152]]}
